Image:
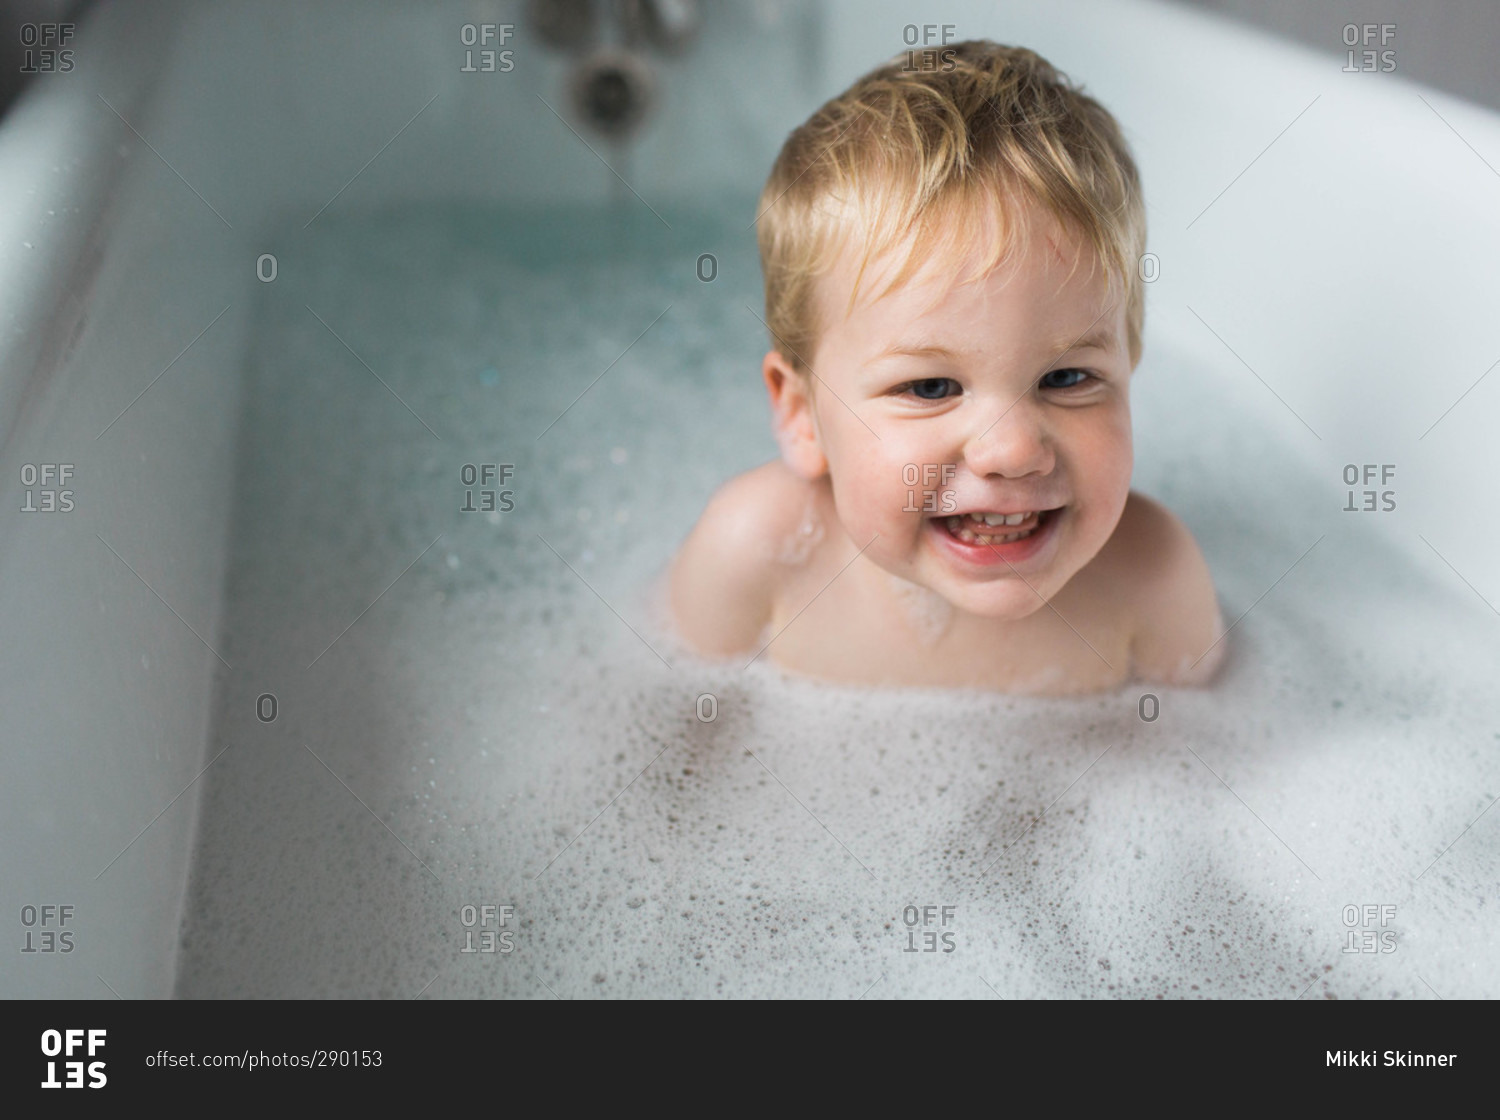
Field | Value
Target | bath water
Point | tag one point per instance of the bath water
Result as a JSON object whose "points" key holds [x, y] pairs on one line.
{"points": [[490, 774]]}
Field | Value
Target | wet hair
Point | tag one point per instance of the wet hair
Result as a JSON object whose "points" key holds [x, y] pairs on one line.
{"points": [[944, 160]]}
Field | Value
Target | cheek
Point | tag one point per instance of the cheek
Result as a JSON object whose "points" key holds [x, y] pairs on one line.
{"points": [[872, 482], [1124, 453], [1107, 459], [1101, 441]]}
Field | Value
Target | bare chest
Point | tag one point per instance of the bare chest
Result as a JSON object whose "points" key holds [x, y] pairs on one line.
{"points": [[902, 635]]}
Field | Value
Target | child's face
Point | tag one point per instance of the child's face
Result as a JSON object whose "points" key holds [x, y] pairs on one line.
{"points": [[939, 400]]}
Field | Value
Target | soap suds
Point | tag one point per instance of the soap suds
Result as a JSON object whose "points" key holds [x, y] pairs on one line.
{"points": [[519, 734], [798, 548], [927, 612]]}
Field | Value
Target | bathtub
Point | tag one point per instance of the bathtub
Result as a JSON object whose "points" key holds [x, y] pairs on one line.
{"points": [[342, 447]]}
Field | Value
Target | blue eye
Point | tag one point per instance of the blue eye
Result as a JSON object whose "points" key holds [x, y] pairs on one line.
{"points": [[934, 388], [1064, 378]]}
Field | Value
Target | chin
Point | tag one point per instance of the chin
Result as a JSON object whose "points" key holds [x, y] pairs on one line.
{"points": [[1008, 603]]}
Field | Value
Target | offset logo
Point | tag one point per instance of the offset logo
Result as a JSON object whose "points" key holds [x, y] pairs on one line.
{"points": [[1373, 34], [45, 485], [44, 928], [66, 1044], [49, 37], [493, 936], [937, 55], [1366, 928], [483, 35], [933, 478], [1368, 498], [492, 499], [921, 936]]}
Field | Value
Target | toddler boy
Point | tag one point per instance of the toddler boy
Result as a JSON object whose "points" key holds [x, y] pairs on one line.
{"points": [[952, 291]]}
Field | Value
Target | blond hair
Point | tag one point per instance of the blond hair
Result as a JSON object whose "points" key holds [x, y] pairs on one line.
{"points": [[946, 158]]}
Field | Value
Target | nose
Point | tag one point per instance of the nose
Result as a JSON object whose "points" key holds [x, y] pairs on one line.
{"points": [[1012, 446]]}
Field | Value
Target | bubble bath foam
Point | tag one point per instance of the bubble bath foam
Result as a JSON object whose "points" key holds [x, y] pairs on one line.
{"points": [[492, 775]]}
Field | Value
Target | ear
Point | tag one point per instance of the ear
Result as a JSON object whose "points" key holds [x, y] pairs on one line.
{"points": [[792, 417]]}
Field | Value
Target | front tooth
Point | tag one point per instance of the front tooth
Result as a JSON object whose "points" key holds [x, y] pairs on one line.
{"points": [[1015, 518], [994, 519]]}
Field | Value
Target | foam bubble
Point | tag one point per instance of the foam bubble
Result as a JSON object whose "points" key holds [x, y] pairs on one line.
{"points": [[798, 548], [663, 825], [928, 612]]}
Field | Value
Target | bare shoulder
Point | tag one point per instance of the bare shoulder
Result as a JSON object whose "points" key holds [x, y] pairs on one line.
{"points": [[1161, 574], [724, 579]]}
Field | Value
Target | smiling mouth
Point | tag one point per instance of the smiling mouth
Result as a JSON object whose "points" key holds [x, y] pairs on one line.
{"points": [[984, 529]]}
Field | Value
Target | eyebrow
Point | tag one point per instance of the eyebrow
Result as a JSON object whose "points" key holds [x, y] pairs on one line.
{"points": [[1100, 338], [900, 351]]}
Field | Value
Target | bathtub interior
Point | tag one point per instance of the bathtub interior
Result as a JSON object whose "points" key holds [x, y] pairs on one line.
{"points": [[478, 711]]}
